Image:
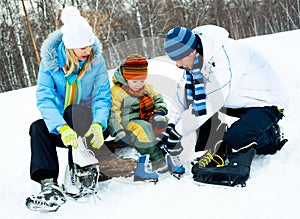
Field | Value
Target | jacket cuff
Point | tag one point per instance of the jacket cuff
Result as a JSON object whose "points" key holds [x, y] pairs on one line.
{"points": [[120, 134]]}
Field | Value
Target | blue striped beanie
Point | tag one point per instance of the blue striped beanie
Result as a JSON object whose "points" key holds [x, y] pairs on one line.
{"points": [[179, 43]]}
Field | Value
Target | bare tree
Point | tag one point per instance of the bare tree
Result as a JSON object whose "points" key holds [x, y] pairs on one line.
{"points": [[130, 26]]}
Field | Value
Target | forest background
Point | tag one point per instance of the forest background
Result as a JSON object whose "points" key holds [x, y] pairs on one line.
{"points": [[128, 26]]}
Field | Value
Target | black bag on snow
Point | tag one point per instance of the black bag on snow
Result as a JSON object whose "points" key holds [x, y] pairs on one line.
{"points": [[235, 173]]}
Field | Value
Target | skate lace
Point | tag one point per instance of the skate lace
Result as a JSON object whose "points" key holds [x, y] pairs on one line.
{"points": [[46, 187], [41, 203], [208, 157], [73, 177], [176, 160], [87, 153], [148, 167], [85, 147]]}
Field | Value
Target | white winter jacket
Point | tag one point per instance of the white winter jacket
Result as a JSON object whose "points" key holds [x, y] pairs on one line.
{"points": [[236, 76]]}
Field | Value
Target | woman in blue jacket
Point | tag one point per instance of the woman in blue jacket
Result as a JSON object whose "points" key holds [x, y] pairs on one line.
{"points": [[73, 96]]}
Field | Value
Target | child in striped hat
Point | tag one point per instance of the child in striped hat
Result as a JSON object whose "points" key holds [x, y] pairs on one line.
{"points": [[138, 114]]}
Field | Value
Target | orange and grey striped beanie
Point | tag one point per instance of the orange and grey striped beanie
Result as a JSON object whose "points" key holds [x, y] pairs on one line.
{"points": [[135, 67]]}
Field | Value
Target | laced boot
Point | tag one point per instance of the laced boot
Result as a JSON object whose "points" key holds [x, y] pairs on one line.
{"points": [[82, 173], [172, 160], [49, 199], [175, 166], [143, 171]]}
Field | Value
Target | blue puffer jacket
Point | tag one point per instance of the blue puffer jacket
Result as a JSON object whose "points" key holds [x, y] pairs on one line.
{"points": [[52, 84]]}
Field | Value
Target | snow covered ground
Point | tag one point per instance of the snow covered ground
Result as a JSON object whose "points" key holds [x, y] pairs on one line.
{"points": [[272, 190]]}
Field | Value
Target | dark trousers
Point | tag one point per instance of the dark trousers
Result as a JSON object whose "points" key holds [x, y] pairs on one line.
{"points": [[44, 161], [254, 125]]}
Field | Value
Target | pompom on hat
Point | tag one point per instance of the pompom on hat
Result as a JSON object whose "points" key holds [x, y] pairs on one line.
{"points": [[179, 43], [135, 67], [77, 33]]}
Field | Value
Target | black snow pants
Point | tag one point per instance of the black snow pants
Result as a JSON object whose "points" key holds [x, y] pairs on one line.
{"points": [[44, 160], [255, 124]]}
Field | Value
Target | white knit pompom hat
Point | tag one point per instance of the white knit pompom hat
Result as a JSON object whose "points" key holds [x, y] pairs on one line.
{"points": [[77, 33]]}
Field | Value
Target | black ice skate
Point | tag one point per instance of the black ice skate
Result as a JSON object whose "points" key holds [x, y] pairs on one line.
{"points": [[235, 173]]}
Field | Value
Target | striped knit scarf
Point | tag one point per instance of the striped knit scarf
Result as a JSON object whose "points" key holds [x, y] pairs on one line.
{"points": [[146, 107], [146, 102], [195, 90], [73, 86]]}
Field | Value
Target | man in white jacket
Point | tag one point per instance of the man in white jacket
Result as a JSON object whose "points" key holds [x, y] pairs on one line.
{"points": [[224, 75]]}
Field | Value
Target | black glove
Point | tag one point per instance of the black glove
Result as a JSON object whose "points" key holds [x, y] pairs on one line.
{"points": [[173, 136], [170, 140]]}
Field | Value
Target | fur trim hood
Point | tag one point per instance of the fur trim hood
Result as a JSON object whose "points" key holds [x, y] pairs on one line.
{"points": [[118, 77], [53, 52]]}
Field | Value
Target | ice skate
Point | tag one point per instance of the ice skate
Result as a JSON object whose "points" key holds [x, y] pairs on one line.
{"points": [[49, 199], [82, 172], [175, 166], [235, 173], [143, 171], [87, 178]]}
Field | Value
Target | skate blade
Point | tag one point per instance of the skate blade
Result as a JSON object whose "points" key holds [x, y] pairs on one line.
{"points": [[138, 179], [85, 193], [177, 175], [73, 196], [216, 186], [43, 209]]}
